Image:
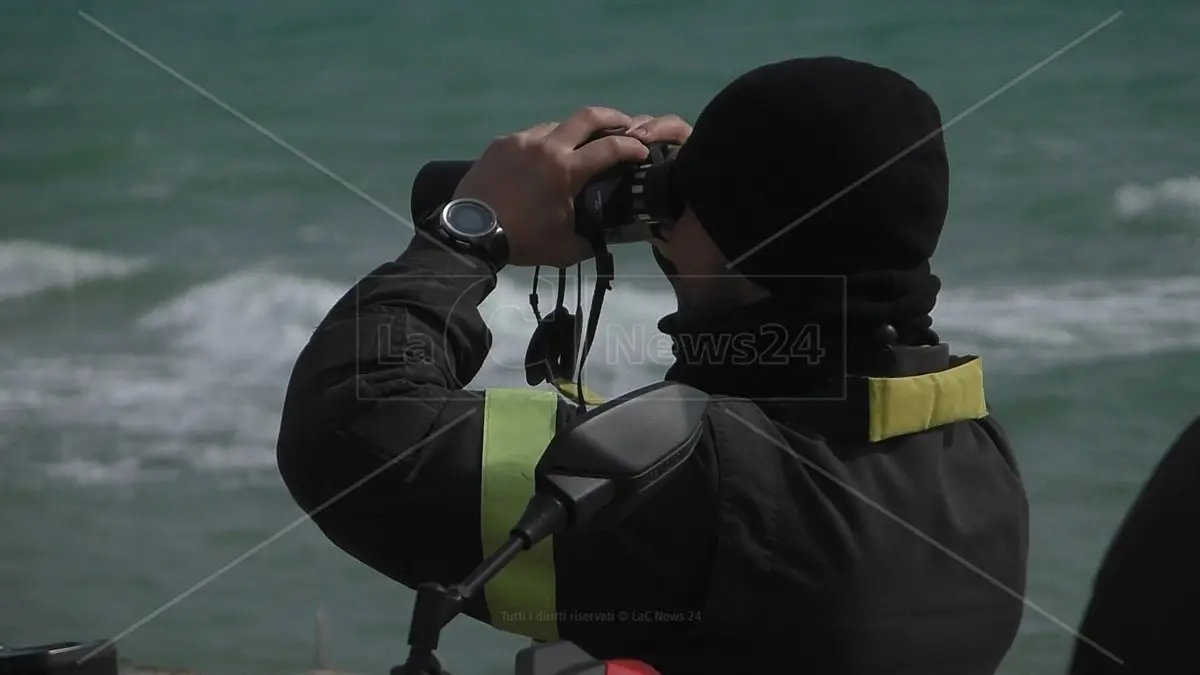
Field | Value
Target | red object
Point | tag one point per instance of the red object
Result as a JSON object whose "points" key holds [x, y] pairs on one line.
{"points": [[628, 667]]}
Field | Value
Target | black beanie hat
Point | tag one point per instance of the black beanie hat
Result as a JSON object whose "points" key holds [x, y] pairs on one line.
{"points": [[858, 144]]}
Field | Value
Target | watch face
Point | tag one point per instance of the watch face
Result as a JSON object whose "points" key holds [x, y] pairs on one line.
{"points": [[469, 219]]}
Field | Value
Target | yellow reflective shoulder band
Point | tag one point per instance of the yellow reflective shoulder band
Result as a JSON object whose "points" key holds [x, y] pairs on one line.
{"points": [[909, 405], [518, 424]]}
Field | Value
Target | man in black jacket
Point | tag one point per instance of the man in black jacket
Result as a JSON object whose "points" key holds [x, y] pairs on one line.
{"points": [[851, 508]]}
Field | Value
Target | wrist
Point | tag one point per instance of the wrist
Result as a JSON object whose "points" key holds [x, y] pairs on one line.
{"points": [[470, 227]]}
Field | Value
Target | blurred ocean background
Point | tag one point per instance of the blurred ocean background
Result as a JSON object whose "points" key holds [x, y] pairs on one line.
{"points": [[163, 261]]}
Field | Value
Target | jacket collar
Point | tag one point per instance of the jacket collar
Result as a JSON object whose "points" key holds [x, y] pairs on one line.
{"points": [[770, 349], [807, 372]]}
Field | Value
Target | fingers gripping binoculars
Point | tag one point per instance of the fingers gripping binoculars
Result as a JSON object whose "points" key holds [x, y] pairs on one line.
{"points": [[625, 204]]}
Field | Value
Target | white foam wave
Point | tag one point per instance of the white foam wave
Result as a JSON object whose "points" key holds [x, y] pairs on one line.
{"points": [[1030, 327], [253, 320], [93, 472], [210, 399], [30, 267], [1134, 200]]}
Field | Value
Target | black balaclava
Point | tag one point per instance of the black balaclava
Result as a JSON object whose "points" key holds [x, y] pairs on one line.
{"points": [[854, 147], [852, 151]]}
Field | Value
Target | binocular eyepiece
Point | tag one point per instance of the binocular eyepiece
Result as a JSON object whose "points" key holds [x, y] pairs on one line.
{"points": [[626, 203]]}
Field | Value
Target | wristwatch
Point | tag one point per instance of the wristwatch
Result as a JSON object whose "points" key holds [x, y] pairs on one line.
{"points": [[472, 225]]}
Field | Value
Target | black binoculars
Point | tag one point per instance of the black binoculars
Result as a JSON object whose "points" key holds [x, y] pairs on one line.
{"points": [[627, 203]]}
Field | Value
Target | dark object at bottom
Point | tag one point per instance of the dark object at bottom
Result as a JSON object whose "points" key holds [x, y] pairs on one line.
{"points": [[557, 657], [60, 658], [1136, 622], [564, 658]]}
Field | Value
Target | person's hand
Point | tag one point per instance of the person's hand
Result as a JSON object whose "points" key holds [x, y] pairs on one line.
{"points": [[530, 179], [668, 128]]}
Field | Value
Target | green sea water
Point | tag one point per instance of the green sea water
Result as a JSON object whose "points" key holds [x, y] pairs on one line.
{"points": [[163, 258]]}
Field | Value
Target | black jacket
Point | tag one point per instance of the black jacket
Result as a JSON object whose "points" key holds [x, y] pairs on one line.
{"points": [[1140, 619], [791, 542]]}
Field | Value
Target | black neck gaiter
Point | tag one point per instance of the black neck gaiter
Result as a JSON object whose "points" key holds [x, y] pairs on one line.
{"points": [[803, 344]]}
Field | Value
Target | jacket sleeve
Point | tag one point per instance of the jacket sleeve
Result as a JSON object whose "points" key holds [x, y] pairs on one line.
{"points": [[381, 445], [376, 425]]}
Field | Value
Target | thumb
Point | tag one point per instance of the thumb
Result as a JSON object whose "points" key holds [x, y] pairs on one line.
{"points": [[604, 153]]}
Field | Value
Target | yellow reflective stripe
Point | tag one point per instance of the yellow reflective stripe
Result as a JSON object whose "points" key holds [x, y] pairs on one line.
{"points": [[571, 391], [517, 426], [907, 405]]}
